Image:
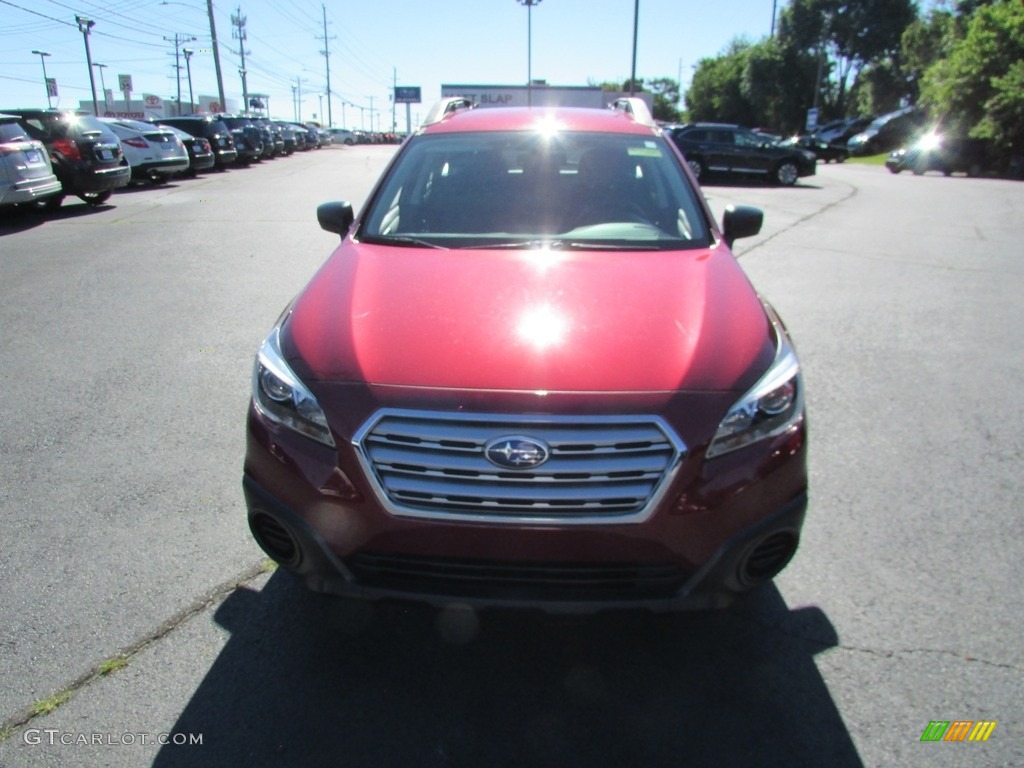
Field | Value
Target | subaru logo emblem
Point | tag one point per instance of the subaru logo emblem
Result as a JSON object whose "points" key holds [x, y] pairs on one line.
{"points": [[516, 452]]}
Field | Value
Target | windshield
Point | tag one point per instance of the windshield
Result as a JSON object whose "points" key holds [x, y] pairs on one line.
{"points": [[526, 189]]}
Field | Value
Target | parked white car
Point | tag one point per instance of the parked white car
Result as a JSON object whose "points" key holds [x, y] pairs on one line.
{"points": [[153, 151], [26, 174], [342, 136]]}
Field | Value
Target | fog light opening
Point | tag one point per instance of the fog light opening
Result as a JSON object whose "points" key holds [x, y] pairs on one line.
{"points": [[767, 558], [275, 539]]}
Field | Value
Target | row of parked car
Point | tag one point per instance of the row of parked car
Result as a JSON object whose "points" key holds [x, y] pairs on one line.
{"points": [[47, 154]]}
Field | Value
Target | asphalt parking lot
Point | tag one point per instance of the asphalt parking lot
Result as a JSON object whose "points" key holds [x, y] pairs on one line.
{"points": [[137, 609]]}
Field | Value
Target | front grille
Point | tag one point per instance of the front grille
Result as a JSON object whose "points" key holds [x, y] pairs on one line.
{"points": [[600, 469], [516, 580]]}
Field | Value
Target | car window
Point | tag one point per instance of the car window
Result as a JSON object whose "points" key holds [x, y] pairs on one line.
{"points": [[719, 136], [11, 131], [474, 190], [747, 140]]}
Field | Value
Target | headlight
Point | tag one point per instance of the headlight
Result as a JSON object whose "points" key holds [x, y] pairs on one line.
{"points": [[771, 407], [279, 395]]}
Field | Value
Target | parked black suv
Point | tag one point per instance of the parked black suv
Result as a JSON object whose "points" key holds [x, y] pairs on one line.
{"points": [[712, 148], [85, 153], [213, 130], [248, 137], [273, 138], [888, 132]]}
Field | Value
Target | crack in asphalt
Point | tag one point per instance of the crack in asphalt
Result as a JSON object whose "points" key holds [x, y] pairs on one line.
{"points": [[851, 192], [877, 652], [197, 606]]}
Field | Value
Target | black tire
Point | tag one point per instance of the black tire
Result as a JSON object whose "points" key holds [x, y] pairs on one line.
{"points": [[51, 204], [95, 198], [786, 173], [697, 167]]}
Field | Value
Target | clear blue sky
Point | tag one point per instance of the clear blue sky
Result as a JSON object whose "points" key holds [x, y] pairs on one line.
{"points": [[574, 42]]}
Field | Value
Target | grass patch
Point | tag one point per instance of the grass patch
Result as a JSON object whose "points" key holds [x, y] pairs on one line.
{"points": [[269, 566], [869, 159], [112, 665], [45, 706]]}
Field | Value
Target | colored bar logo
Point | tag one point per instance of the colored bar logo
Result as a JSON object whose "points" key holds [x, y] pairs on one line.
{"points": [[958, 730]]}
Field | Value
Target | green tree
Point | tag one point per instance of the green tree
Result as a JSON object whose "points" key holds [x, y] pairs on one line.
{"points": [[979, 87], [666, 98], [754, 84], [716, 90], [845, 36]]}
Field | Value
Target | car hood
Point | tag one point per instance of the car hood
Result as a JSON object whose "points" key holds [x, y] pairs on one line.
{"points": [[530, 320]]}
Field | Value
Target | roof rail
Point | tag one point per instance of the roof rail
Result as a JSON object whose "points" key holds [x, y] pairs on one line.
{"points": [[635, 107], [445, 107]]}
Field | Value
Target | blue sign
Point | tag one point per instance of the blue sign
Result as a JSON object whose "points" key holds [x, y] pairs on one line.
{"points": [[407, 94]]}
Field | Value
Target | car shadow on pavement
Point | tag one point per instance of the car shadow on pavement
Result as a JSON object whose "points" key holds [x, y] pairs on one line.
{"points": [[23, 219], [756, 184], [308, 680]]}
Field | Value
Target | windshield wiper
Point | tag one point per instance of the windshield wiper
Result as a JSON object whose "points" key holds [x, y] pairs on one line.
{"points": [[390, 240], [525, 245]]}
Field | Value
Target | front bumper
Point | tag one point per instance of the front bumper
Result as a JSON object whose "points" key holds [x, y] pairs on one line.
{"points": [[750, 557]]}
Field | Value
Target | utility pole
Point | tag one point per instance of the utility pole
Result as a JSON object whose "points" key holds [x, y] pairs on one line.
{"points": [[216, 55], [238, 21], [326, 52], [179, 38]]}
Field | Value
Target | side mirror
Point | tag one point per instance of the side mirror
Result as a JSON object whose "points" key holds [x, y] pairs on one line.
{"points": [[335, 217], [741, 221]]}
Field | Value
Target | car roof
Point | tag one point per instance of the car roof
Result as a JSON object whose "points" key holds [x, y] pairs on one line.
{"points": [[135, 125], [527, 119]]}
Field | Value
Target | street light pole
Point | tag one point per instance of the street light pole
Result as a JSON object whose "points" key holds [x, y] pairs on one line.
{"points": [[529, 48], [46, 81], [84, 25], [636, 24], [103, 83], [188, 68]]}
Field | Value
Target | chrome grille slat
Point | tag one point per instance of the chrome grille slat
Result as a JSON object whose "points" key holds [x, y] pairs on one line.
{"points": [[433, 465], [430, 461]]}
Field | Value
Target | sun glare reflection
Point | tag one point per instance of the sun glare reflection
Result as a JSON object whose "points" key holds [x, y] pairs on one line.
{"points": [[547, 126], [543, 327]]}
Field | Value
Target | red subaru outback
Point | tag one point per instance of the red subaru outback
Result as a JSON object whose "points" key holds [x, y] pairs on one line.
{"points": [[532, 373]]}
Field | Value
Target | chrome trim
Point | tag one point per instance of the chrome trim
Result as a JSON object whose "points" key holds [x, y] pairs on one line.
{"points": [[575, 480]]}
